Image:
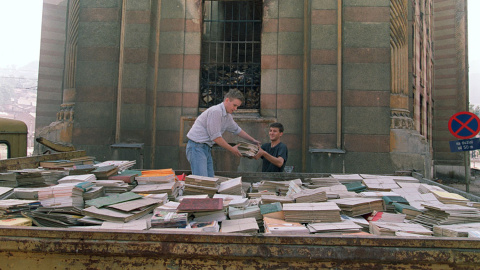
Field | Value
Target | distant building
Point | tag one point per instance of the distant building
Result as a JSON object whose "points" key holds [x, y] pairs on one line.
{"points": [[352, 81]]}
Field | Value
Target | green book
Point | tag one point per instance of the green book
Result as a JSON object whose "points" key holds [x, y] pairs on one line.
{"points": [[406, 209], [270, 208], [394, 199], [355, 187], [109, 200]]}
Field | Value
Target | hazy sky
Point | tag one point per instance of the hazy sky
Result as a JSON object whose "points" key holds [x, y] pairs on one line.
{"points": [[20, 26], [473, 50]]}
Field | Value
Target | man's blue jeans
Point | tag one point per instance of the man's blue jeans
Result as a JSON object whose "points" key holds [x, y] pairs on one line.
{"points": [[200, 157]]}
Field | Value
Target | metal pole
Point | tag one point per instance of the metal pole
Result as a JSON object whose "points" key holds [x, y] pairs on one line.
{"points": [[467, 170]]}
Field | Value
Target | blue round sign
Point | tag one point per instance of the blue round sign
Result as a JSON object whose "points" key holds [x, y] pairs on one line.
{"points": [[464, 125]]}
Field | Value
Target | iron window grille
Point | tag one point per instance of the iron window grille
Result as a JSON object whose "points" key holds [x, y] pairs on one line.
{"points": [[231, 51]]}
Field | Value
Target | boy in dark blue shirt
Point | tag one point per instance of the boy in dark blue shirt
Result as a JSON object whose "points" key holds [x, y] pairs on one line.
{"points": [[275, 153]]}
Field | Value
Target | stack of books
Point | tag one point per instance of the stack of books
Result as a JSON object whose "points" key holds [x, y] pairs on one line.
{"points": [[250, 211], [322, 182], [449, 198], [344, 226], [390, 228], [273, 198], [244, 225], [166, 219], [103, 172], [172, 189], [390, 200], [310, 195], [56, 164], [77, 178], [68, 195], [155, 177], [281, 227], [279, 187], [27, 193], [232, 187], [233, 200], [446, 214], [247, 149], [195, 185], [121, 165], [113, 186], [272, 210], [311, 212], [52, 219], [380, 184], [127, 176], [359, 206], [93, 193], [456, 230], [409, 211], [10, 207]]}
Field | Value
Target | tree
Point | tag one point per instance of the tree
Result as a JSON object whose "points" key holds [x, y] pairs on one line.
{"points": [[474, 109]]}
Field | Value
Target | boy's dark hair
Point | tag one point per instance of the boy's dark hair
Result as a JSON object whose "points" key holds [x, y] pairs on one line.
{"points": [[277, 125], [235, 94]]}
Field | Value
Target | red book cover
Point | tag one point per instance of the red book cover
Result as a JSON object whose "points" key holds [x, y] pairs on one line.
{"points": [[200, 205]]}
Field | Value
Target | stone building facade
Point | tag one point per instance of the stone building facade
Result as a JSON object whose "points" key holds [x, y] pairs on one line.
{"points": [[352, 81], [451, 82]]}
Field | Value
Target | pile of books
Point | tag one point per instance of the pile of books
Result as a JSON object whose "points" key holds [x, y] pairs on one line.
{"points": [[281, 227], [11, 207], [359, 206], [250, 211], [380, 184], [446, 214], [310, 195], [311, 212], [232, 186], [322, 182], [67, 195], [244, 225], [247, 149], [113, 186], [171, 188], [195, 184], [168, 219], [344, 226], [150, 177], [456, 230], [391, 228]]}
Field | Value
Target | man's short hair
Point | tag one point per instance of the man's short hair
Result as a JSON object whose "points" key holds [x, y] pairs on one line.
{"points": [[235, 94], [277, 125]]}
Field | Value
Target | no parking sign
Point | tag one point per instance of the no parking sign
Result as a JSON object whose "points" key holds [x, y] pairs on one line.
{"points": [[464, 125]]}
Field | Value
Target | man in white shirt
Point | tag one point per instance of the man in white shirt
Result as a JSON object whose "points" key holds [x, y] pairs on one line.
{"points": [[208, 130]]}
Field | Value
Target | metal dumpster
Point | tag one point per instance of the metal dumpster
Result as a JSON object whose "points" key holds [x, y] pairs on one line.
{"points": [[51, 248]]}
